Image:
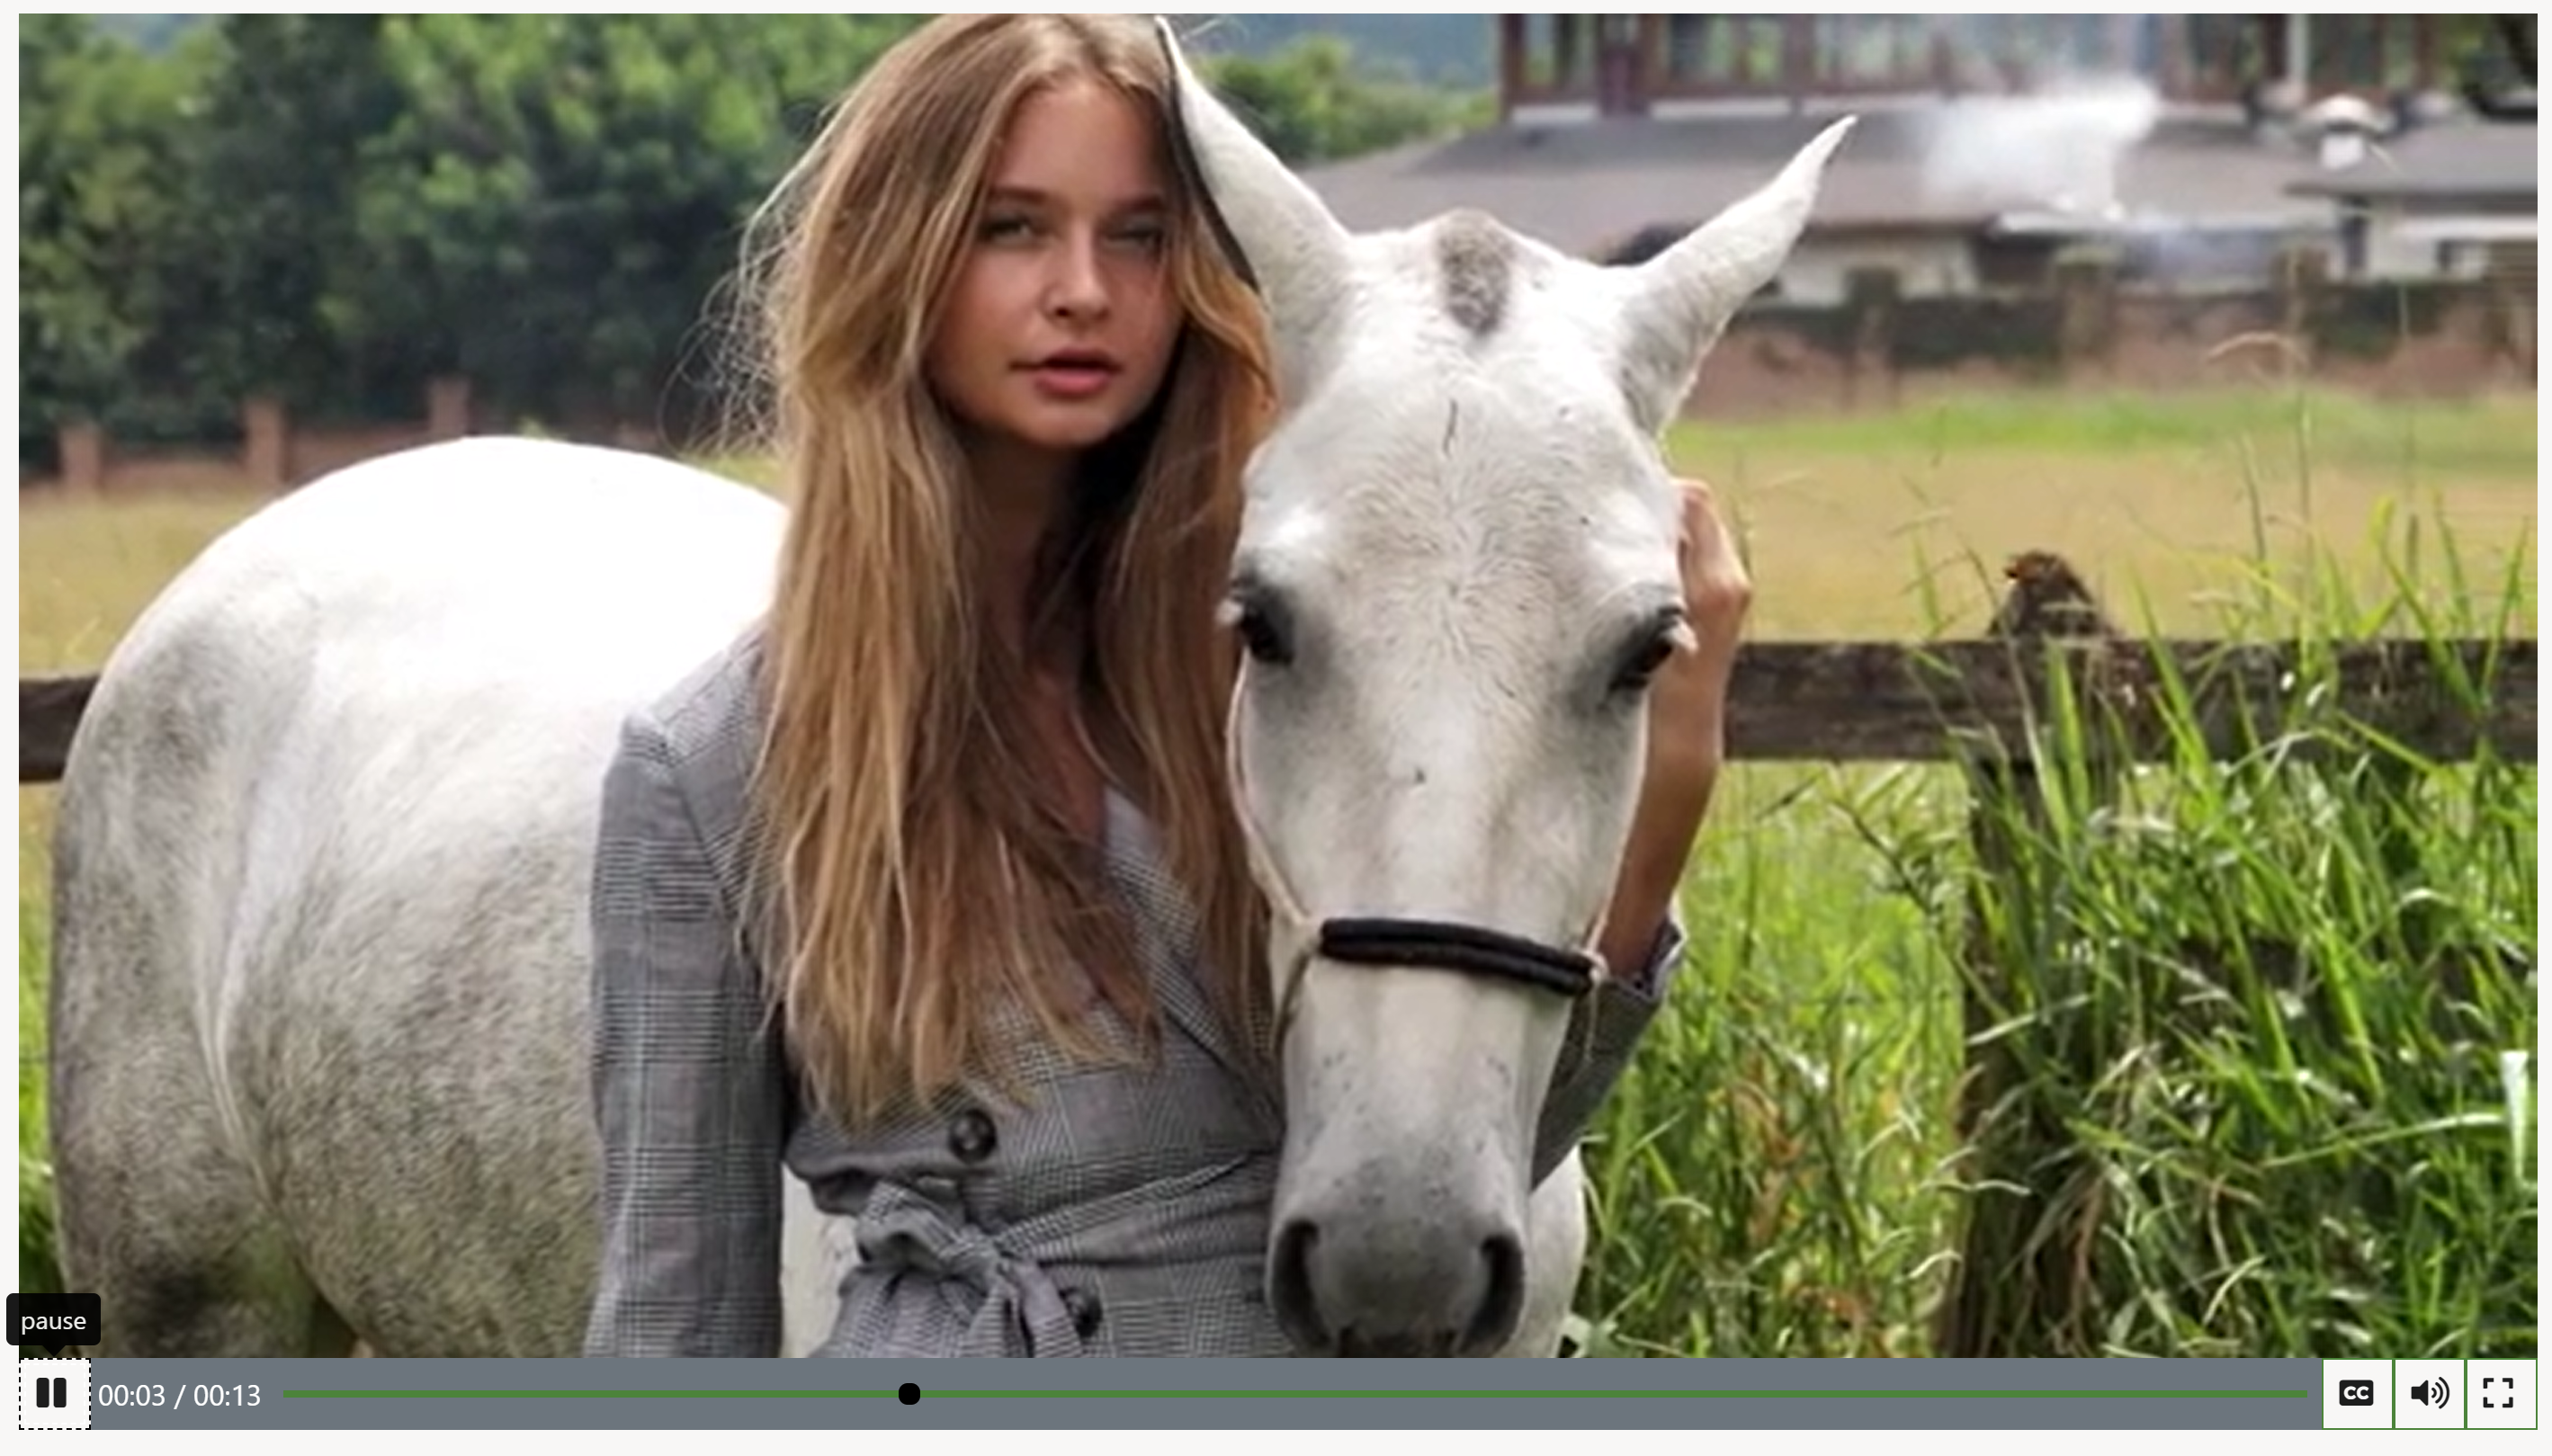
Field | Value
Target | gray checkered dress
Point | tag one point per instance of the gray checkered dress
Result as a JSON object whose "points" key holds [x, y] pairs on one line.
{"points": [[1118, 1211]]}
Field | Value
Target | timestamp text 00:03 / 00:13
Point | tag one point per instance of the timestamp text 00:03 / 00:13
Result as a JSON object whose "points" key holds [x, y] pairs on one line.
{"points": [[174, 1396]]}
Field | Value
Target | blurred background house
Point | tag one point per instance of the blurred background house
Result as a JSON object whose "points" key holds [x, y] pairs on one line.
{"points": [[2186, 152], [2452, 200]]}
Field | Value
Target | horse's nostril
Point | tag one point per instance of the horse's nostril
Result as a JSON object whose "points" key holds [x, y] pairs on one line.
{"points": [[1335, 1291], [1502, 1303], [1289, 1293]]}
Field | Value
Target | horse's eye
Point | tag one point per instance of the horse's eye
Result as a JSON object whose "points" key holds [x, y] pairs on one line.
{"points": [[1262, 628], [1267, 644], [1637, 673], [1656, 642]]}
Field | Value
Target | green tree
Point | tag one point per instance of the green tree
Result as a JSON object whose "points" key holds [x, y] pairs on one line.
{"points": [[290, 105], [559, 197], [106, 249], [1311, 102], [335, 208]]}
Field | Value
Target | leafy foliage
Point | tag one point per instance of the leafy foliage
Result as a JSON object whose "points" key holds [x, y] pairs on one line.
{"points": [[1456, 50], [1311, 104], [332, 210], [104, 262]]}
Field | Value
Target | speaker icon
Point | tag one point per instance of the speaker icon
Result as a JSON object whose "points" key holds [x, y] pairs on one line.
{"points": [[2434, 1394]]}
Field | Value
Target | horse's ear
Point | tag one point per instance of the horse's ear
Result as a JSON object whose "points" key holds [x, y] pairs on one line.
{"points": [[1283, 237], [1674, 306]]}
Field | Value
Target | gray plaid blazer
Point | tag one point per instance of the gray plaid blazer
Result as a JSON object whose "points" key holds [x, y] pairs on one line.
{"points": [[1122, 1210]]}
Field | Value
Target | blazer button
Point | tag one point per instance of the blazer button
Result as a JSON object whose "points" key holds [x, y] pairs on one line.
{"points": [[1083, 1307], [971, 1136]]}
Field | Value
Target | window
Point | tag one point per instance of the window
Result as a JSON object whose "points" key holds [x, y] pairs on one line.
{"points": [[2041, 46], [2227, 52], [1558, 53], [1872, 52], [1722, 53], [2364, 53]]}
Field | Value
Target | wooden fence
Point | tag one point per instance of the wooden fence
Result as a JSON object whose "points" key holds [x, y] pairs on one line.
{"points": [[1908, 703], [1984, 703]]}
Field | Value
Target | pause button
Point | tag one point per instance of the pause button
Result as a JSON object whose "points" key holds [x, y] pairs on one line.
{"points": [[52, 1395]]}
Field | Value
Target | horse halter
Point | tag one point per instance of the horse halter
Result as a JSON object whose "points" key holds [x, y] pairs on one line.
{"points": [[1396, 941], [1451, 946]]}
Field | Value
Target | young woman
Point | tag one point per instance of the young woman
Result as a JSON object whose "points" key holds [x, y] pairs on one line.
{"points": [[900, 888]]}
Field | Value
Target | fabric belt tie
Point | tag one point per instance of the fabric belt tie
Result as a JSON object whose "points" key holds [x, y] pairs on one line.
{"points": [[1024, 1314]]}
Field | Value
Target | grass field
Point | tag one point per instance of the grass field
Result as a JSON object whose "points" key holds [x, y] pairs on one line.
{"points": [[2268, 1009]]}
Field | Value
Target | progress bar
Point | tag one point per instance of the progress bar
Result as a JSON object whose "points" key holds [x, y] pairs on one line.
{"points": [[943, 1393], [1238, 1394]]}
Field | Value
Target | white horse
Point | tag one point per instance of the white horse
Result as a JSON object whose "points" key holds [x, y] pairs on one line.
{"points": [[1457, 542], [320, 960], [318, 1008]]}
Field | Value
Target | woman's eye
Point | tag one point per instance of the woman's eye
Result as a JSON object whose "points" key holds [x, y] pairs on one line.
{"points": [[1003, 228], [1143, 237]]}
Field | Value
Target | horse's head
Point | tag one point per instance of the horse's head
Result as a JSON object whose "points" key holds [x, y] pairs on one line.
{"points": [[1457, 564]]}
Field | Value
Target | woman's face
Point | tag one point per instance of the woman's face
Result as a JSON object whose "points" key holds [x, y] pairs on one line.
{"points": [[1062, 319]]}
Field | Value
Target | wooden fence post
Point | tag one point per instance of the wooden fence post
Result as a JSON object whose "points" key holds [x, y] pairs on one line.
{"points": [[2031, 1224], [2303, 276], [2086, 302], [447, 407], [83, 446], [1871, 297], [265, 451]]}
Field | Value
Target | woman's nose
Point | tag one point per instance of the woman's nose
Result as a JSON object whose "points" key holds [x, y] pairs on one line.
{"points": [[1078, 287]]}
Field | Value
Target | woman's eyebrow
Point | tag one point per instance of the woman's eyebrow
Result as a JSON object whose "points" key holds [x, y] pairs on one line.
{"points": [[1038, 197]]}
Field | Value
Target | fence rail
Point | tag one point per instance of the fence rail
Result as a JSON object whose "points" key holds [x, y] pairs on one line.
{"points": [[1910, 702]]}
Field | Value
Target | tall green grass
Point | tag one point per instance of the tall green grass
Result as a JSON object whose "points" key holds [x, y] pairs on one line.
{"points": [[2218, 1058]]}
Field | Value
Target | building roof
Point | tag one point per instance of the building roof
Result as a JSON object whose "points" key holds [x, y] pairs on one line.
{"points": [[1584, 186], [2475, 159]]}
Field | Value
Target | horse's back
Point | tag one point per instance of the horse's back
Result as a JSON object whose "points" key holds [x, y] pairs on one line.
{"points": [[323, 850], [575, 561]]}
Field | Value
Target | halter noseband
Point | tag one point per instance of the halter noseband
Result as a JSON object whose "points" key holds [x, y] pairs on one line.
{"points": [[1390, 941], [1447, 946]]}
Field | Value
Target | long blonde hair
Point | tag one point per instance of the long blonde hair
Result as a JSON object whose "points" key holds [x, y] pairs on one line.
{"points": [[924, 875]]}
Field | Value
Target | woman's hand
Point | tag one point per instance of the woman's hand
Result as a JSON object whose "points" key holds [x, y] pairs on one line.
{"points": [[1687, 736], [1688, 701]]}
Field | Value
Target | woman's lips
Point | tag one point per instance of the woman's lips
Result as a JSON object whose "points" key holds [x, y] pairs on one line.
{"points": [[1073, 377]]}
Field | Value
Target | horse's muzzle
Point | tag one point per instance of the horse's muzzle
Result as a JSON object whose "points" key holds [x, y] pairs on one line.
{"points": [[1440, 1297]]}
